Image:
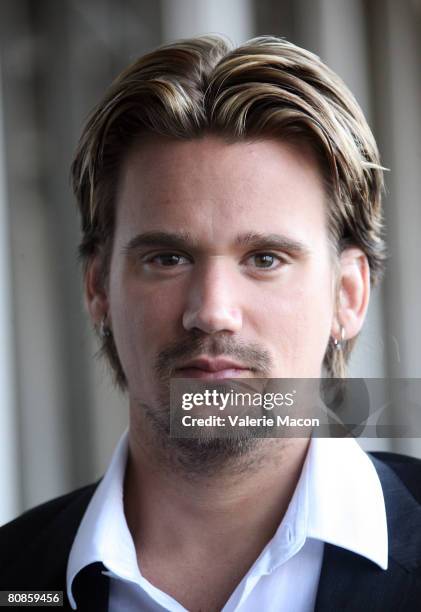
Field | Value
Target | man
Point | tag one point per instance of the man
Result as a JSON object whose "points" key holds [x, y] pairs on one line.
{"points": [[231, 228]]}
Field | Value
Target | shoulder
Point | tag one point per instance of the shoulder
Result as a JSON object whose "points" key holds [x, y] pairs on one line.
{"points": [[36, 520], [40, 540], [397, 459], [400, 477], [50, 508], [407, 469]]}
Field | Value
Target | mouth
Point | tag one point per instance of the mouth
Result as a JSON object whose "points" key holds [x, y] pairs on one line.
{"points": [[213, 369]]}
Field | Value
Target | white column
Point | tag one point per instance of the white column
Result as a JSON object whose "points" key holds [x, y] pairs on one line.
{"points": [[186, 18], [336, 31], [404, 210], [9, 469], [403, 139]]}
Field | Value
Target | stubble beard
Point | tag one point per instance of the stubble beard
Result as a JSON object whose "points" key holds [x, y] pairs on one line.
{"points": [[200, 455], [207, 453]]}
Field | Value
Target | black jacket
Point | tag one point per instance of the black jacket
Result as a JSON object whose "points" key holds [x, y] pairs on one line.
{"points": [[34, 550]]}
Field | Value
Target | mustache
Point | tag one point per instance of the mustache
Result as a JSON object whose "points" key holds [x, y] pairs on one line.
{"points": [[251, 355]]}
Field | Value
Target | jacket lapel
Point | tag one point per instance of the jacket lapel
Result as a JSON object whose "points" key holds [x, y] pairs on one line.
{"points": [[352, 583]]}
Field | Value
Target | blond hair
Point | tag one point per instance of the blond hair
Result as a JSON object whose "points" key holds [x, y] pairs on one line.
{"points": [[267, 87]]}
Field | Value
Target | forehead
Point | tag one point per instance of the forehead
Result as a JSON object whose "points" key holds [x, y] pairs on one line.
{"points": [[217, 189]]}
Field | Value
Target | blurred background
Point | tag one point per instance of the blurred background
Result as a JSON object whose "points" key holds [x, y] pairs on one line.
{"points": [[59, 416]]}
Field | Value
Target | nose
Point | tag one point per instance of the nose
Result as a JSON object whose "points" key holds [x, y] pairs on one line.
{"points": [[211, 303]]}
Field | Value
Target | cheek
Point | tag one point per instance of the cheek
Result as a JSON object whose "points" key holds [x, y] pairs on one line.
{"points": [[159, 320], [295, 320], [143, 322]]}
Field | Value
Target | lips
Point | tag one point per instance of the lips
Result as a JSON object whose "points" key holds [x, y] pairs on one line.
{"points": [[212, 369]]}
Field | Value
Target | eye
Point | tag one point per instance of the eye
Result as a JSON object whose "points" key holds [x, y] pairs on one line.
{"points": [[265, 261], [167, 260]]}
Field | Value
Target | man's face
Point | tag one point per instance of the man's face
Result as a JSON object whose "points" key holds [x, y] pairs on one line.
{"points": [[220, 253]]}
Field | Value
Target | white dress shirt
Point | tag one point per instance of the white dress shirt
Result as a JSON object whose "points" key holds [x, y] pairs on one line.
{"points": [[338, 499]]}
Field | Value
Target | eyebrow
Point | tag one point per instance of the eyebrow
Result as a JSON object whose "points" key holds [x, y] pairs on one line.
{"points": [[185, 241]]}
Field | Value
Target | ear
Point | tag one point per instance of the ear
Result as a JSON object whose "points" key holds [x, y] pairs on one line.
{"points": [[96, 297], [353, 293]]}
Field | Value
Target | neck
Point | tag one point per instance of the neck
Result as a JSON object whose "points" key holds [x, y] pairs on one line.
{"points": [[237, 507]]}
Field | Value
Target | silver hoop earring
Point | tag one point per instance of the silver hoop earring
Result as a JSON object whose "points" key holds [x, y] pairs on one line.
{"points": [[339, 343], [104, 330]]}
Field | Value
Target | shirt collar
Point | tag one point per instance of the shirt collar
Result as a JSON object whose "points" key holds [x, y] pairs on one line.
{"points": [[347, 498], [103, 534], [338, 499]]}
